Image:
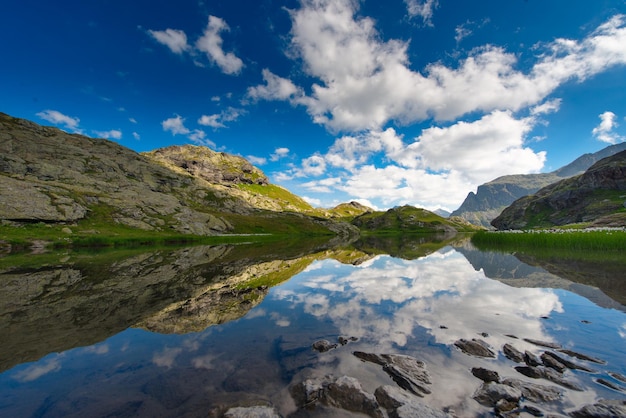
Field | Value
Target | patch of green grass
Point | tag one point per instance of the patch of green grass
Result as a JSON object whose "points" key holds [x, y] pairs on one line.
{"points": [[279, 194], [579, 240]]}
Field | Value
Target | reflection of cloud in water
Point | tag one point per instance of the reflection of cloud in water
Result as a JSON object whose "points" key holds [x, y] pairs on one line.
{"points": [[97, 349], [622, 331], [280, 320], [440, 290], [37, 370], [166, 357], [204, 362]]}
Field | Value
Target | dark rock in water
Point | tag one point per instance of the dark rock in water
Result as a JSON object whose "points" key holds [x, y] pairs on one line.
{"points": [[532, 411], [408, 372], [503, 406], [344, 393], [602, 409], [491, 393], [618, 376], [529, 371], [252, 412], [531, 359], [534, 392], [513, 353], [346, 340], [401, 404], [553, 363], [541, 372], [569, 364], [609, 385], [323, 346], [477, 348], [485, 375], [582, 356], [542, 343]]}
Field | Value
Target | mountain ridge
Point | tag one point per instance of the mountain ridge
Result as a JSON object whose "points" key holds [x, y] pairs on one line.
{"points": [[595, 198], [493, 197]]}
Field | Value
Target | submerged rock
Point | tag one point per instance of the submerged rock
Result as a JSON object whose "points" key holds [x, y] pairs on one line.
{"points": [[541, 372], [489, 394], [252, 412], [602, 409], [485, 375], [408, 372], [513, 353], [401, 404], [543, 343], [344, 393], [534, 392], [609, 385], [566, 363], [323, 346], [581, 356], [477, 348]]}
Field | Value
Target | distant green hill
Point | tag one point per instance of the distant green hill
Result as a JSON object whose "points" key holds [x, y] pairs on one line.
{"points": [[407, 218]]}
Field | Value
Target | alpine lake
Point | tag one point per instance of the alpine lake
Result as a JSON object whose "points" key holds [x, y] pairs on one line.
{"points": [[417, 325]]}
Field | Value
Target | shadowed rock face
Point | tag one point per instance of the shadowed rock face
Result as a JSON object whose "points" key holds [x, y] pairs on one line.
{"points": [[597, 196]]}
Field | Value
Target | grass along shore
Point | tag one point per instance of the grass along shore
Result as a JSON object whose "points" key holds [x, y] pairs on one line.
{"points": [[600, 239]]}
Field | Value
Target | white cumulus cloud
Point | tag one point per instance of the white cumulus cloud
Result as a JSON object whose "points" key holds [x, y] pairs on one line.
{"points": [[175, 125], [275, 88], [58, 118], [112, 134], [605, 131], [174, 39], [364, 81], [211, 44]]}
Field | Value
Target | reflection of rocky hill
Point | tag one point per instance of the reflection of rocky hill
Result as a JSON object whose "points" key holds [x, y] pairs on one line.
{"points": [[82, 300], [602, 283], [408, 247]]}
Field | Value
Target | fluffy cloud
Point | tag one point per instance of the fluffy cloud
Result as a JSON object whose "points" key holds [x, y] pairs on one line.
{"points": [[279, 153], [365, 82], [422, 8], [436, 169], [175, 40], [175, 125], [211, 44], [58, 118], [605, 130], [112, 134], [275, 88], [218, 120]]}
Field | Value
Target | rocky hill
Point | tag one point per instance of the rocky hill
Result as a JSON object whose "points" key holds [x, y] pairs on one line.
{"points": [[596, 198], [410, 219], [52, 177], [491, 198]]}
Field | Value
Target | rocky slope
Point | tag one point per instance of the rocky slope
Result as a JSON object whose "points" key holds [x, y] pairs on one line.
{"points": [[596, 197], [50, 176], [411, 219], [491, 198]]}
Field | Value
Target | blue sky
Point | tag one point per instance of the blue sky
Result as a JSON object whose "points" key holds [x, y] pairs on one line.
{"points": [[387, 103]]}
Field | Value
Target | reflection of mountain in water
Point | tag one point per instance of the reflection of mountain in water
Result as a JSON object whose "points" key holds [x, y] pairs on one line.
{"points": [[603, 284], [81, 301]]}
